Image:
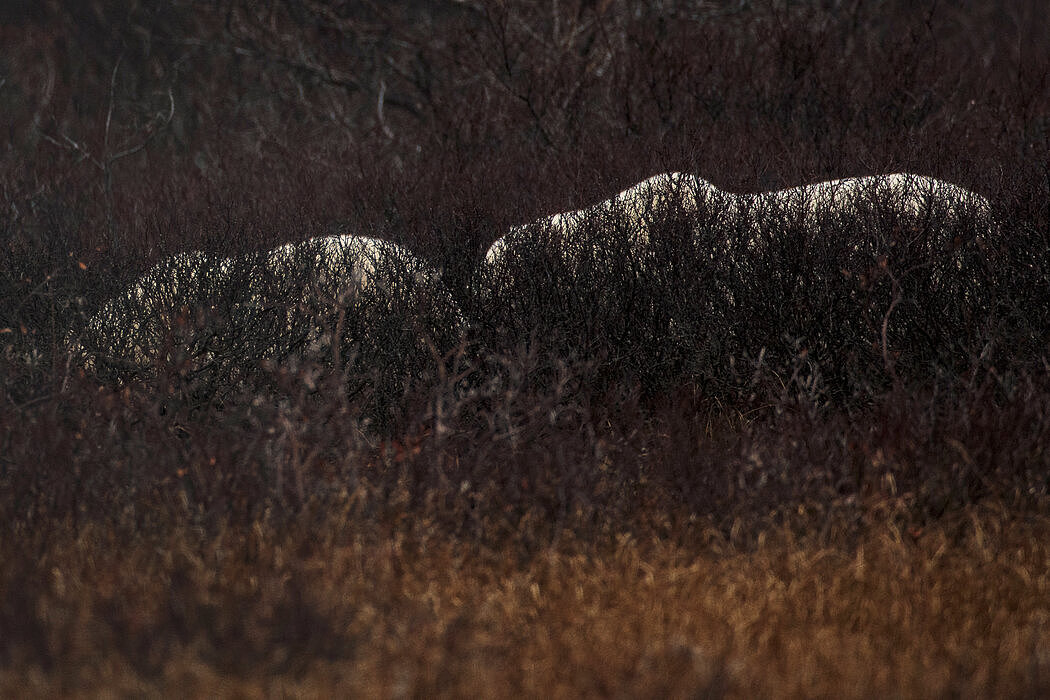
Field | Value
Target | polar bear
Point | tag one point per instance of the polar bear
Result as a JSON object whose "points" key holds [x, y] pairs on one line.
{"points": [[282, 291], [712, 243], [622, 224]]}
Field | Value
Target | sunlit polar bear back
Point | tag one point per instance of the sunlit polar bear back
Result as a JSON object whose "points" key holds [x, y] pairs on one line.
{"points": [[621, 225], [335, 271], [903, 198], [931, 229], [350, 265], [280, 291]]}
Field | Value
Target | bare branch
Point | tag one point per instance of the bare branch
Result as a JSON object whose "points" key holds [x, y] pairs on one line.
{"points": [[886, 322], [109, 111], [71, 145], [149, 137], [379, 110]]}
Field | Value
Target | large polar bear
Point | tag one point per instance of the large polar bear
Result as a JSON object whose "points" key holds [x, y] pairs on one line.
{"points": [[622, 223], [285, 296], [674, 253]]}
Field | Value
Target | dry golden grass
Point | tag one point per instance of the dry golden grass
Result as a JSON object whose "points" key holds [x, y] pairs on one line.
{"points": [[958, 609]]}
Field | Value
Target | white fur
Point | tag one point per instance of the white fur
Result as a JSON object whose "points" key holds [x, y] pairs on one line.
{"points": [[900, 194], [127, 326], [596, 234], [350, 262], [334, 270], [898, 204], [639, 207]]}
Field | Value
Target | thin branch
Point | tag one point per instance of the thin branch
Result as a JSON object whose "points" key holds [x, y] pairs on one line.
{"points": [[886, 323], [150, 136], [109, 111], [379, 110], [70, 144]]}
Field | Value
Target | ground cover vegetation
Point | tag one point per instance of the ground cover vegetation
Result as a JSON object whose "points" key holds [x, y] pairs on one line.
{"points": [[807, 457]]}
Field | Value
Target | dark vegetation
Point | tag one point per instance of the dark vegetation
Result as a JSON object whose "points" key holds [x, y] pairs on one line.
{"points": [[834, 485]]}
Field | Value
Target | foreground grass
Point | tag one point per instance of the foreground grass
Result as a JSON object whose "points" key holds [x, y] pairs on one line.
{"points": [[959, 608]]}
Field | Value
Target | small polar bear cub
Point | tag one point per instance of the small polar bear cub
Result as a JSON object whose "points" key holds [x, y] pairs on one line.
{"points": [[132, 328]]}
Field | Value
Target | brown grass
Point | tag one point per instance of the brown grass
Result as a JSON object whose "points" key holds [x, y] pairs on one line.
{"points": [[318, 611]]}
